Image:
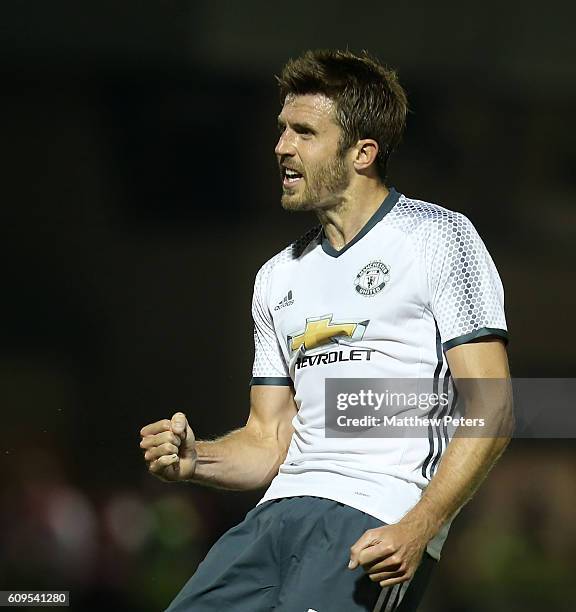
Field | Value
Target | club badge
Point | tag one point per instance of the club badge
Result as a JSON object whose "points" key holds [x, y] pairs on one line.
{"points": [[372, 278]]}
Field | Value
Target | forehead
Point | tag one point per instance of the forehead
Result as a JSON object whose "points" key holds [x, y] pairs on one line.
{"points": [[312, 108]]}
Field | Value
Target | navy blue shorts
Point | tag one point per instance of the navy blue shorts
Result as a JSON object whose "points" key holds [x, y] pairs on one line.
{"points": [[291, 555]]}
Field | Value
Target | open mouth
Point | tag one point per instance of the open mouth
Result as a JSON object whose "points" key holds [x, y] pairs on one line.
{"points": [[290, 177]]}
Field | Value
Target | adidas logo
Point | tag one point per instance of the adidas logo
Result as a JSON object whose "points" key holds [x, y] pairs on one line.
{"points": [[285, 301]]}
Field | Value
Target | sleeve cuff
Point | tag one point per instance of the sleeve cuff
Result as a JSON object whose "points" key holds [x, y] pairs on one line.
{"points": [[478, 333], [279, 381]]}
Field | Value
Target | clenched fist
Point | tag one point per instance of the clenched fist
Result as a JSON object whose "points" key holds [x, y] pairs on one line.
{"points": [[391, 554], [169, 448]]}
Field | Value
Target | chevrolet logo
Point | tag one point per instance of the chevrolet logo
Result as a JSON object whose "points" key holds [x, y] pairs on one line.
{"points": [[321, 330]]}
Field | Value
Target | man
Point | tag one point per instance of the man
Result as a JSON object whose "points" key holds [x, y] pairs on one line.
{"points": [[386, 287]]}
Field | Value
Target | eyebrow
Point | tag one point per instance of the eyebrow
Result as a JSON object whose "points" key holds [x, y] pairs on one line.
{"points": [[298, 126]]}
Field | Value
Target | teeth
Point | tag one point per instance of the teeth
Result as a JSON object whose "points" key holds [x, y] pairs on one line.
{"points": [[291, 173]]}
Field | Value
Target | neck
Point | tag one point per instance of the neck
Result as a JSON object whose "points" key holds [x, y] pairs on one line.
{"points": [[342, 222]]}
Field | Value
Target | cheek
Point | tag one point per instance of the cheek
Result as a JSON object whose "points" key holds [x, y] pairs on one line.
{"points": [[315, 158]]}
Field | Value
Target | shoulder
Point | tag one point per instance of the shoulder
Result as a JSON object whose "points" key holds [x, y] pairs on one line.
{"points": [[413, 215], [293, 253], [428, 222]]}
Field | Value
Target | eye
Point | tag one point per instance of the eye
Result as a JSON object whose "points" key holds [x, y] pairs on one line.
{"points": [[304, 131]]}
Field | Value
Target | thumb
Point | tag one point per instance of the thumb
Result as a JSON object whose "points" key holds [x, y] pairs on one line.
{"points": [[179, 424], [364, 541]]}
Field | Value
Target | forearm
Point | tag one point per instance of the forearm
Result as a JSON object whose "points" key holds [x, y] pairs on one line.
{"points": [[465, 464], [472, 452], [241, 460]]}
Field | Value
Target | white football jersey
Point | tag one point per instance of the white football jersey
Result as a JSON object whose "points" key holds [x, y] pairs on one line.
{"points": [[414, 282]]}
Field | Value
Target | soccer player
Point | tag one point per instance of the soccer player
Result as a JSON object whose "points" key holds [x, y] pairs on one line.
{"points": [[386, 286]]}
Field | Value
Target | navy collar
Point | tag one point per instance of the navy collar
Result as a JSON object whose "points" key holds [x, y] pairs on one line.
{"points": [[384, 208]]}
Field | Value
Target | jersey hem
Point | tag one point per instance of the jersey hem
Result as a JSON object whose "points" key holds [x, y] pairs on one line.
{"points": [[382, 496], [434, 547], [479, 333], [280, 381]]}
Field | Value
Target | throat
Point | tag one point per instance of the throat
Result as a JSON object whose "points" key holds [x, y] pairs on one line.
{"points": [[348, 222], [342, 225]]}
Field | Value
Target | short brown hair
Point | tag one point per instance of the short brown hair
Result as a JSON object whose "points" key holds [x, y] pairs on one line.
{"points": [[370, 102]]}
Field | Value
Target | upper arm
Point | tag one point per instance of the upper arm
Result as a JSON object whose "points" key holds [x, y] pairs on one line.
{"points": [[465, 292], [272, 409], [272, 405], [489, 399], [270, 366], [481, 359]]}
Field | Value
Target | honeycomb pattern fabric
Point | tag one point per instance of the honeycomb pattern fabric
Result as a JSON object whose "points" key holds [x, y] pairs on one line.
{"points": [[466, 294], [268, 359]]}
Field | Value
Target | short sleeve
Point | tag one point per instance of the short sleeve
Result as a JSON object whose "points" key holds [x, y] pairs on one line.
{"points": [[269, 365], [466, 294]]}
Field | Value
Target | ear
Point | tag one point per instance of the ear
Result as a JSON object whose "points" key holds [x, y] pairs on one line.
{"points": [[366, 152]]}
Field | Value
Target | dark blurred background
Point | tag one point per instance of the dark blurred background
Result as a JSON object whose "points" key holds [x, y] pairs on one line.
{"points": [[139, 197]]}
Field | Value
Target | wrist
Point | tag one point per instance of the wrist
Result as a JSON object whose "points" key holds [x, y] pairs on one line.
{"points": [[426, 517]]}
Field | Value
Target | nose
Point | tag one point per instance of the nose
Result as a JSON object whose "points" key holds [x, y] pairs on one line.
{"points": [[285, 145]]}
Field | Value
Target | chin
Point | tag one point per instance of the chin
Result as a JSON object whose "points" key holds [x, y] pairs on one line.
{"points": [[292, 202], [295, 205]]}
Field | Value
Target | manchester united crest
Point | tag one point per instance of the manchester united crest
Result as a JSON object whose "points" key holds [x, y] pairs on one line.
{"points": [[372, 278]]}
